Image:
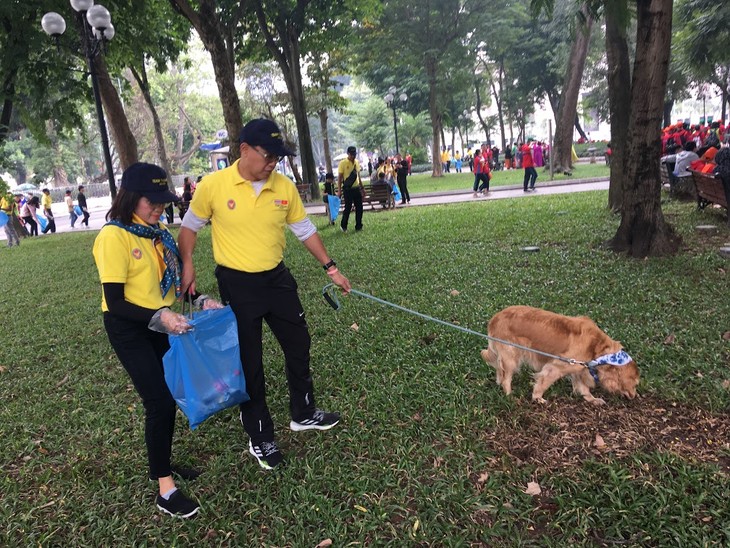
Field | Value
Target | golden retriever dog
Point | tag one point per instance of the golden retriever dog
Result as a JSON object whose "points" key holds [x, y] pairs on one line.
{"points": [[577, 338]]}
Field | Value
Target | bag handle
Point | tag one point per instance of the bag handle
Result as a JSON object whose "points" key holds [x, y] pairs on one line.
{"points": [[189, 301]]}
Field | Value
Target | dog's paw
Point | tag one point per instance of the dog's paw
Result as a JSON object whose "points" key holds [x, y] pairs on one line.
{"points": [[541, 401], [598, 401]]}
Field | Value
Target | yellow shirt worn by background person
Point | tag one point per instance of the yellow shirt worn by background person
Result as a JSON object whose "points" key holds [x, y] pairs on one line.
{"points": [[248, 230], [345, 167], [5, 205], [136, 262], [46, 201]]}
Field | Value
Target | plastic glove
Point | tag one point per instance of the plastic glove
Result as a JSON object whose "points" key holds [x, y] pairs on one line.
{"points": [[204, 302], [167, 321]]}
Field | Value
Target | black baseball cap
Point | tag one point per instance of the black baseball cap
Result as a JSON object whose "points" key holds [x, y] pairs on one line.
{"points": [[266, 134], [150, 181], [351, 150]]}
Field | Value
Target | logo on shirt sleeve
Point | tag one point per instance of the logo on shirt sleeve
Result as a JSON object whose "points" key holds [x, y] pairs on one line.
{"points": [[137, 253]]}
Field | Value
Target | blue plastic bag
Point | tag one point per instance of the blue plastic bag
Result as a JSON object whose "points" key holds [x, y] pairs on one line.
{"points": [[334, 204], [78, 211], [42, 221], [396, 193], [203, 366], [3, 219]]}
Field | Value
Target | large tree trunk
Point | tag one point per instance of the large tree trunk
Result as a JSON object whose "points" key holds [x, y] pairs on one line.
{"points": [[433, 110], [667, 112], [212, 33], [323, 117], [643, 230], [124, 141], [498, 102], [619, 104], [561, 154]]}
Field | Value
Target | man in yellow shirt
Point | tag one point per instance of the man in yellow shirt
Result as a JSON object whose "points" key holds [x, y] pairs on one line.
{"points": [[349, 185], [249, 206], [46, 203], [9, 206]]}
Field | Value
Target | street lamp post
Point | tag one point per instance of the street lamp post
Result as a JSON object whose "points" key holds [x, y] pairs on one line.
{"points": [[390, 99], [95, 21]]}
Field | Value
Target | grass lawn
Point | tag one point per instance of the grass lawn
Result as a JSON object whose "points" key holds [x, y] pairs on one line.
{"points": [[429, 452]]}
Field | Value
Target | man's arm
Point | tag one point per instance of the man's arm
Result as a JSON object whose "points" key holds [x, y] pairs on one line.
{"points": [[340, 180], [186, 241], [315, 246]]}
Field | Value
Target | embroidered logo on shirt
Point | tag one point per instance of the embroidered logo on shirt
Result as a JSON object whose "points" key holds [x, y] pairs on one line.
{"points": [[231, 204], [281, 203], [137, 253]]}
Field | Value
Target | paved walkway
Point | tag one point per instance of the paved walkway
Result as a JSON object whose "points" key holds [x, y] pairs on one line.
{"points": [[99, 206]]}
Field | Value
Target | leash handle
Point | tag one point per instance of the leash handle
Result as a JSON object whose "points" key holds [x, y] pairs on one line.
{"points": [[330, 296]]}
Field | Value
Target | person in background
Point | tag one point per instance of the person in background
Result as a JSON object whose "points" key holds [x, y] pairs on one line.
{"points": [[249, 206], [28, 214], [528, 182], [9, 207], [329, 190], [71, 210], [481, 174], [140, 271], [401, 174], [47, 202], [81, 199], [349, 185], [409, 159]]}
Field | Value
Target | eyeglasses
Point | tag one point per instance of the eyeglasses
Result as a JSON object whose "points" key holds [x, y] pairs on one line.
{"points": [[153, 205], [270, 158]]}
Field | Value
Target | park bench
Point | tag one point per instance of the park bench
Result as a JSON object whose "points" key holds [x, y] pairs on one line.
{"points": [[710, 190], [378, 194], [664, 174], [305, 191]]}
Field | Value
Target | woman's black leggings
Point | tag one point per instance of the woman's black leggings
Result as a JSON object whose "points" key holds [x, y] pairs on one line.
{"points": [[32, 224], [140, 351]]}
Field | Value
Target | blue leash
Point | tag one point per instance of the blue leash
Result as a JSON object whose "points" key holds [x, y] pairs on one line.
{"points": [[331, 297]]}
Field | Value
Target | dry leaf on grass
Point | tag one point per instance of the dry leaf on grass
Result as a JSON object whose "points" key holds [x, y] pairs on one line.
{"points": [[726, 384], [361, 508], [670, 339], [325, 543], [726, 336], [599, 443], [484, 476], [454, 293], [533, 488], [355, 327], [3, 369]]}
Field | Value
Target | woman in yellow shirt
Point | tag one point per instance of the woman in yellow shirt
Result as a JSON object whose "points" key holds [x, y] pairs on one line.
{"points": [[140, 271]]}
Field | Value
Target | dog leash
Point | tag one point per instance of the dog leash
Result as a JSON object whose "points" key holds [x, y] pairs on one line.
{"points": [[331, 297]]}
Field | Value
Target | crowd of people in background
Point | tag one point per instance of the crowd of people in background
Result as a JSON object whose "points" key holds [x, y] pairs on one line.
{"points": [[687, 148]]}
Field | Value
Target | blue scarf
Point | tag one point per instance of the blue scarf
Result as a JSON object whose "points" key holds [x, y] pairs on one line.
{"points": [[171, 256], [617, 359]]}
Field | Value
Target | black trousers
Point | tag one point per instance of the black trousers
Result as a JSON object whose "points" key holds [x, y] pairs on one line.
{"points": [[270, 296], [352, 196], [51, 222], [140, 351]]}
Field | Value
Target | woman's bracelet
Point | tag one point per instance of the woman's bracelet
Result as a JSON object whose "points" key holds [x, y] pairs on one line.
{"points": [[332, 272]]}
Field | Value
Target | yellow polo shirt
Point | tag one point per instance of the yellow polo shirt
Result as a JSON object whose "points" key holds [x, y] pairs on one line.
{"points": [[122, 257], [248, 231], [46, 201], [345, 167]]}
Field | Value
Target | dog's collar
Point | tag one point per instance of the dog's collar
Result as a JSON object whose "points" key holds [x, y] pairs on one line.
{"points": [[617, 359]]}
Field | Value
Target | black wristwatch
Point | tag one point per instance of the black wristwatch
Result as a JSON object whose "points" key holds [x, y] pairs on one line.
{"points": [[329, 265]]}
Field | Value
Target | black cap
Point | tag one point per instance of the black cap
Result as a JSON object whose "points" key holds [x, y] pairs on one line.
{"points": [[351, 150], [150, 181], [266, 134]]}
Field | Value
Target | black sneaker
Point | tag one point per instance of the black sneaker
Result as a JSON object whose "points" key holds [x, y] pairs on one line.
{"points": [[267, 453], [178, 505], [320, 420]]}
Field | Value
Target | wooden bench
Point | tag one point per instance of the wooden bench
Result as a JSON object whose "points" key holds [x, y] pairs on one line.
{"points": [[664, 174], [378, 194], [710, 190], [305, 191]]}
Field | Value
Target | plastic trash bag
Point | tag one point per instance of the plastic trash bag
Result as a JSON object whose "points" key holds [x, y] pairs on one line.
{"points": [[42, 221], [203, 366], [3, 219], [334, 205], [396, 193], [78, 211]]}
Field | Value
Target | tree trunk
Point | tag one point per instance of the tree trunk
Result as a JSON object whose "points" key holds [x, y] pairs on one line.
{"points": [[144, 86], [667, 112], [430, 66], [124, 141], [643, 230], [498, 102], [619, 104], [323, 117], [212, 34], [561, 154], [579, 128]]}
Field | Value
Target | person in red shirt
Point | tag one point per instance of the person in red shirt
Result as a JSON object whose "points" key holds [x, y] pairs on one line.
{"points": [[528, 183], [481, 174]]}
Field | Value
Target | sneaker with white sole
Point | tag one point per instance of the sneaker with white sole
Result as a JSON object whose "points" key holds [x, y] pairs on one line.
{"points": [[267, 453], [178, 505], [320, 420]]}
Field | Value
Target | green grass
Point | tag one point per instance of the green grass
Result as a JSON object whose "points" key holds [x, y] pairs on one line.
{"points": [[413, 462]]}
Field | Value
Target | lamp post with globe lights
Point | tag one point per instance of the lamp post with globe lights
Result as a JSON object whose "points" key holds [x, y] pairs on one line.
{"points": [[390, 99], [97, 30]]}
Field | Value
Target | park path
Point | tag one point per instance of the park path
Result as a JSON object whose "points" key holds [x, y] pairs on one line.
{"points": [[99, 206]]}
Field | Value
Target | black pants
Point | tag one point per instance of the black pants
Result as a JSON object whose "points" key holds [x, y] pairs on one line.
{"points": [[352, 196], [51, 222], [85, 220], [530, 178], [140, 351], [270, 296], [405, 197], [32, 225]]}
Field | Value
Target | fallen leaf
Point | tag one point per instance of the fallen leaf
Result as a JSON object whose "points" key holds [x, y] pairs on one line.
{"points": [[428, 339], [599, 443], [361, 508], [725, 337], [699, 375], [416, 525], [726, 384], [533, 488], [355, 327], [417, 417], [43, 450], [325, 543], [484, 476], [211, 534], [3, 369], [62, 381], [670, 339], [707, 519], [454, 293]]}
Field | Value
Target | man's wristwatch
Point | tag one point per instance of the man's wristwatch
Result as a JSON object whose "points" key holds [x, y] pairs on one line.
{"points": [[329, 265]]}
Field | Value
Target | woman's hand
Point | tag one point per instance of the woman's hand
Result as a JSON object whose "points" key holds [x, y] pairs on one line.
{"points": [[212, 304], [339, 280], [167, 321]]}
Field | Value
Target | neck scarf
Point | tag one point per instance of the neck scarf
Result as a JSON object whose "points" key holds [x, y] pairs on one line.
{"points": [[170, 254], [617, 358]]}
